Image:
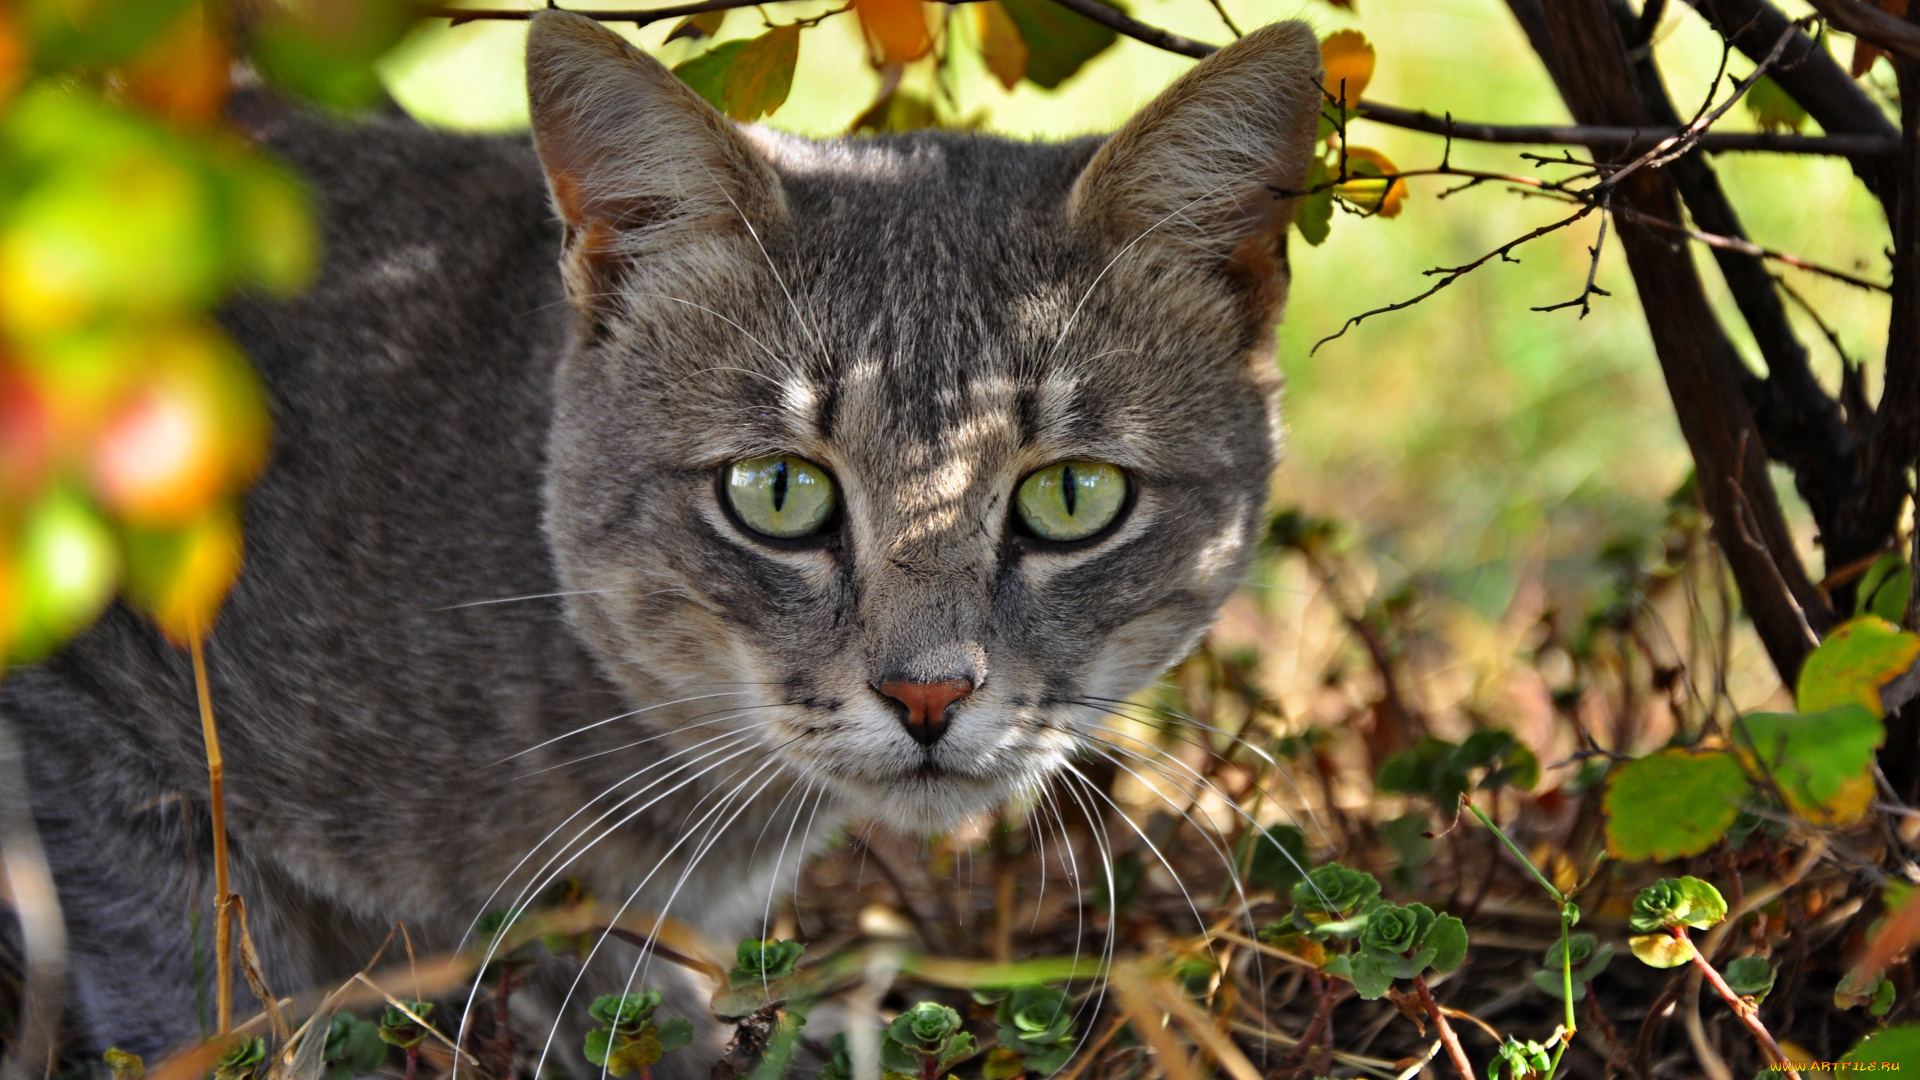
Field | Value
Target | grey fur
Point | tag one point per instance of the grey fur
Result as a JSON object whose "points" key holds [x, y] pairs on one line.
{"points": [[930, 317]]}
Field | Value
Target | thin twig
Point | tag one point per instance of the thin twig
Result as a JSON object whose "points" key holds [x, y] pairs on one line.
{"points": [[217, 801], [1447, 1036]]}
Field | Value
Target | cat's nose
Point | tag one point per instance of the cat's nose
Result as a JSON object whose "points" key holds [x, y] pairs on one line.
{"points": [[926, 703]]}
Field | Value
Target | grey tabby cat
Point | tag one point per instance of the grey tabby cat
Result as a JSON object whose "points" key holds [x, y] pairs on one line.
{"points": [[821, 480]]}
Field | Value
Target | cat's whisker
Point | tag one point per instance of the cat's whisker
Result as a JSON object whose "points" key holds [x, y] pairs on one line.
{"points": [[1115, 705], [773, 880], [583, 758], [811, 815], [541, 879], [1103, 844], [518, 599], [623, 716], [775, 357], [686, 834], [813, 331]]}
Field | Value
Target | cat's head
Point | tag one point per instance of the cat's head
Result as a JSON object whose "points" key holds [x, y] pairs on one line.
{"points": [[905, 457]]}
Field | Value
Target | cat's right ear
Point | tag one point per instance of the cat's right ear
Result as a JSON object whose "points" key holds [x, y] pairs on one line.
{"points": [[640, 167]]}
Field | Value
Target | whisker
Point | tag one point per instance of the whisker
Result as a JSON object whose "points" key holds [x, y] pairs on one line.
{"points": [[623, 716], [1088, 295]]}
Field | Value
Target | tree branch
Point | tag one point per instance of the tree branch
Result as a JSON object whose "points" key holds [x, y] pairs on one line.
{"points": [[1626, 139], [1891, 33]]}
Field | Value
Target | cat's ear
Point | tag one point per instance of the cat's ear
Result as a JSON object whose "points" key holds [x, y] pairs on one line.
{"points": [[1197, 168], [637, 162]]}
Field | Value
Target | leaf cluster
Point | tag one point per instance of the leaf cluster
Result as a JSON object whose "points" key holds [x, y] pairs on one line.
{"points": [[1036, 1032], [924, 1042], [628, 1039], [354, 1047], [1443, 771]]}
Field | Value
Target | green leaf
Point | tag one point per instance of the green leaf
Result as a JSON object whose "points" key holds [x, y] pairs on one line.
{"points": [[324, 50], [241, 1059], [1314, 214], [625, 1012], [1853, 664], [1879, 1005], [1773, 108], [1002, 1064], [1036, 1019], [1407, 835], [1822, 762], [1059, 41], [1898, 1045], [1448, 937], [635, 1054], [1372, 974], [1671, 804], [1883, 589], [1682, 901], [704, 25], [398, 1029], [1749, 976], [597, 1042], [746, 79], [1590, 958], [674, 1034], [758, 961]]}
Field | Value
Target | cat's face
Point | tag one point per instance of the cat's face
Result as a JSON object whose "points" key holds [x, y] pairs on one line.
{"points": [[915, 454]]}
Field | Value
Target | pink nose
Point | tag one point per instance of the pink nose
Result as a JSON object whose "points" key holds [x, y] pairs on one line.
{"points": [[926, 704]]}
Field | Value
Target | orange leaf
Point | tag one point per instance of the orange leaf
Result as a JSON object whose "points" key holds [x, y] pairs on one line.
{"points": [[180, 577], [1348, 60], [26, 436], [899, 27], [1368, 189], [182, 77], [13, 51], [1001, 45]]}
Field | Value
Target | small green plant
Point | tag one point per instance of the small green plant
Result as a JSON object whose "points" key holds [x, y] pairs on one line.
{"points": [[124, 1066], [242, 1060], [1331, 902], [1036, 1033], [924, 1042], [839, 1064], [1401, 943], [1520, 1060], [1443, 770], [757, 961], [1589, 958], [354, 1048], [398, 1028], [1664, 910], [628, 1039]]}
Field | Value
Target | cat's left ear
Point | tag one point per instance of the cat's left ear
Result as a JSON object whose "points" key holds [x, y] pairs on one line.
{"points": [[1196, 170], [641, 168]]}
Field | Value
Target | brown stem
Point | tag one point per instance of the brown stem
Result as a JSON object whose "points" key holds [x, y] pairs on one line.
{"points": [[217, 800], [1621, 138], [1741, 1007], [1447, 1036]]}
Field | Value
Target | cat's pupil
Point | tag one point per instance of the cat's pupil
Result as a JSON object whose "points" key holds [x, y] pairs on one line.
{"points": [[1069, 490], [780, 486]]}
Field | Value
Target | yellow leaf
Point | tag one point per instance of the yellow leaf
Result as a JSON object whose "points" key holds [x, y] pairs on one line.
{"points": [[180, 577], [1368, 188], [1001, 45], [1853, 663], [899, 27], [1348, 59]]}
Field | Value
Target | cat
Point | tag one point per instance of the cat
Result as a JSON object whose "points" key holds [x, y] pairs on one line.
{"points": [[816, 481]]}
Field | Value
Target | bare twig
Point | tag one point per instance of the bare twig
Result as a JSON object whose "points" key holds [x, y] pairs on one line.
{"points": [[1625, 139], [217, 801], [1452, 1041]]}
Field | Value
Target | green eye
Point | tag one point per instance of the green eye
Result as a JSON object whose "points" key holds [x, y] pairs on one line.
{"points": [[783, 497], [1072, 500]]}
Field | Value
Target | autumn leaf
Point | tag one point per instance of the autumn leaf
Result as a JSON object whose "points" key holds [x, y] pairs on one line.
{"points": [[1059, 42], [901, 110], [1001, 45], [1853, 663], [899, 27], [1864, 54], [1772, 108], [1348, 60], [1672, 803], [182, 77], [1368, 189], [746, 79]]}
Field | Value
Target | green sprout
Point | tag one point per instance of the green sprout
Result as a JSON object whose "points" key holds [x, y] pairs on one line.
{"points": [[1332, 902], [1589, 958], [924, 1042], [757, 961], [1036, 1032], [628, 1039], [241, 1060], [1664, 910], [399, 1029], [1401, 943]]}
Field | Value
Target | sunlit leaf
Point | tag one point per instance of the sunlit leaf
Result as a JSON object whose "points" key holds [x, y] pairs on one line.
{"points": [[1820, 761], [1347, 58], [1370, 191], [1059, 42], [898, 27], [1773, 108], [1001, 45], [746, 79], [1661, 950], [192, 429], [271, 239], [694, 27], [1314, 215], [68, 567], [13, 51], [115, 225], [179, 577], [1853, 663], [1671, 804], [1883, 589], [1893, 1049]]}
